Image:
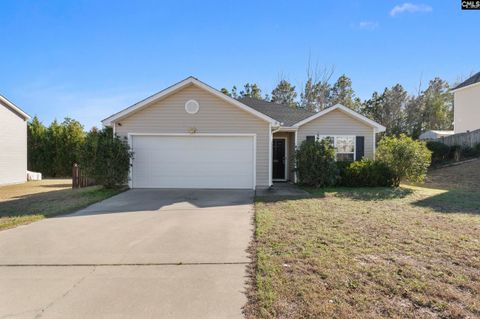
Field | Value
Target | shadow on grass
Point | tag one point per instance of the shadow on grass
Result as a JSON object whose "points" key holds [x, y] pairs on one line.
{"points": [[446, 201], [53, 202], [279, 198], [362, 193], [453, 201], [56, 185]]}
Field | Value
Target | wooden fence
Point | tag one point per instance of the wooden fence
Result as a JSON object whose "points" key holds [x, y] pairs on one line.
{"points": [[79, 178], [466, 139]]}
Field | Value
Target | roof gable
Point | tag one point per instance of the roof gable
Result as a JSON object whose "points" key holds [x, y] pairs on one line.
{"points": [[15, 109], [378, 127], [475, 79], [175, 88]]}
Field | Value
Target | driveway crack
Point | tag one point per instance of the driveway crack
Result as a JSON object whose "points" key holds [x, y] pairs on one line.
{"points": [[65, 294]]}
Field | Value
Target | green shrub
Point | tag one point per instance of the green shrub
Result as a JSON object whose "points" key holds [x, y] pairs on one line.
{"points": [[476, 149], [53, 150], [408, 159], [468, 152], [455, 152], [316, 164], [365, 173], [106, 158], [440, 152]]}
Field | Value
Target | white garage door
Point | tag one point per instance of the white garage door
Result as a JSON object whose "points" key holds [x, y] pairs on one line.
{"points": [[193, 161]]}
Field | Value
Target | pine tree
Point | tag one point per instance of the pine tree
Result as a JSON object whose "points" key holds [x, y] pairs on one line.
{"points": [[284, 93], [342, 93], [252, 91], [438, 113], [37, 134]]}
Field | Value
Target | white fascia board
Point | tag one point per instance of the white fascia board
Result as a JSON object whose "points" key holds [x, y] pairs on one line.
{"points": [[15, 108], [378, 127], [190, 80]]}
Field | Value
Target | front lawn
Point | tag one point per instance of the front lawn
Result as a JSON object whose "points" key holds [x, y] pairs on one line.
{"points": [[32, 201], [410, 252]]}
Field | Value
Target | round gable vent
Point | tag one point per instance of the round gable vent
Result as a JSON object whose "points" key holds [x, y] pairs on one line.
{"points": [[192, 106]]}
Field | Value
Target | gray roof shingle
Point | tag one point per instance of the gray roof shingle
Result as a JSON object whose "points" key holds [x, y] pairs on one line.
{"points": [[280, 112], [471, 80]]}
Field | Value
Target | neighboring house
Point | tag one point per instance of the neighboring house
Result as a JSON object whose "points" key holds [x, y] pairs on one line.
{"points": [[466, 102], [13, 143], [193, 136], [434, 134]]}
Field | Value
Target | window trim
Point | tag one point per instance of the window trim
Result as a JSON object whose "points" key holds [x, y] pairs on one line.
{"points": [[334, 136]]}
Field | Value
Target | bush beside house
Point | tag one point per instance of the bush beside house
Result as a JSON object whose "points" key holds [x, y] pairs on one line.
{"points": [[53, 150], [408, 159], [106, 158], [316, 163], [398, 158], [364, 173]]}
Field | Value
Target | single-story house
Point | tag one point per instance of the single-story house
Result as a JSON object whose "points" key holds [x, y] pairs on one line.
{"points": [[466, 105], [191, 135], [434, 134], [13, 143]]}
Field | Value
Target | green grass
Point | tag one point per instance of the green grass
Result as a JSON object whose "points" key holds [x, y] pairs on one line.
{"points": [[410, 252], [34, 207]]}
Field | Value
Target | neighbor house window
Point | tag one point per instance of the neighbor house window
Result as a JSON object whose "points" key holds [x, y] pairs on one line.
{"points": [[344, 146]]}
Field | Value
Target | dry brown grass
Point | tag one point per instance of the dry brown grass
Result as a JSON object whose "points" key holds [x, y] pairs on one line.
{"points": [[369, 253], [25, 203], [17, 191], [463, 176]]}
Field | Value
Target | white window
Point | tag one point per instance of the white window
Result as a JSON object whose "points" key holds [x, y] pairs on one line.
{"points": [[344, 146]]}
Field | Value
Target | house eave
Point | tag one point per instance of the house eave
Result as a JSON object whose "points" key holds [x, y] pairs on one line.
{"points": [[454, 90], [376, 126], [14, 108], [174, 88]]}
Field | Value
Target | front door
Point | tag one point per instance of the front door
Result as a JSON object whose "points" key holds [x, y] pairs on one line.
{"points": [[278, 157]]}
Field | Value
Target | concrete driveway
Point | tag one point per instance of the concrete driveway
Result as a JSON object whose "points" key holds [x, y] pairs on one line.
{"points": [[140, 254]]}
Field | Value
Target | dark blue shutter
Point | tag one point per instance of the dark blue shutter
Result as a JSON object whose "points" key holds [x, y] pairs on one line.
{"points": [[360, 147]]}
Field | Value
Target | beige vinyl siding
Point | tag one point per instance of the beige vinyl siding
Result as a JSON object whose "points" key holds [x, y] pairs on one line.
{"points": [[13, 147], [338, 123], [467, 109], [215, 116]]}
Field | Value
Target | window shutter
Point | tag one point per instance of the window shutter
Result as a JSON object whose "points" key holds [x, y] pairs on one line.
{"points": [[311, 138], [360, 147]]}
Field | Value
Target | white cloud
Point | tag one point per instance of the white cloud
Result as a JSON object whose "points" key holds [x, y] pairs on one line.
{"points": [[410, 8], [368, 25]]}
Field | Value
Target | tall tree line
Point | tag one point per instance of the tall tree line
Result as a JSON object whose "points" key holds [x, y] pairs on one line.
{"points": [[398, 111], [52, 150]]}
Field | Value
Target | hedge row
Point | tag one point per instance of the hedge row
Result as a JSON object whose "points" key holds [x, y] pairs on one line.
{"points": [[442, 153], [364, 173]]}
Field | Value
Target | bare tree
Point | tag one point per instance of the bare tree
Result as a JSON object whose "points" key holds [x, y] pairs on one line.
{"points": [[317, 89]]}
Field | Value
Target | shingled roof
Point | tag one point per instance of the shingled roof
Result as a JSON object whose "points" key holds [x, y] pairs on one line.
{"points": [[280, 112], [471, 80]]}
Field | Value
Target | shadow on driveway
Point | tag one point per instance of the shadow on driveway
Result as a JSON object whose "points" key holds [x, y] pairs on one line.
{"points": [[138, 200]]}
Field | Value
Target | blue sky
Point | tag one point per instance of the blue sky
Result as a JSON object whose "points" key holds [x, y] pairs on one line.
{"points": [[88, 59]]}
